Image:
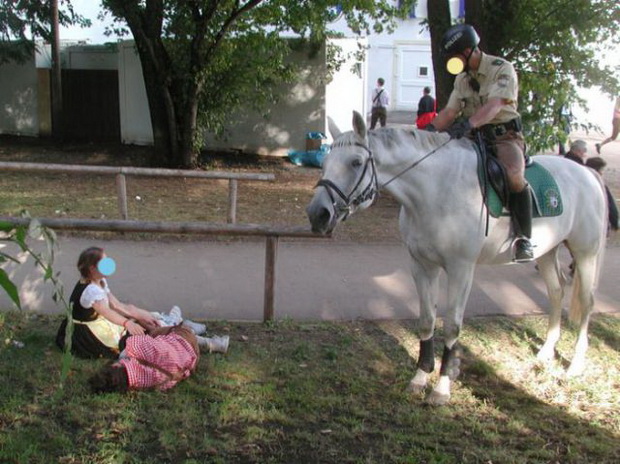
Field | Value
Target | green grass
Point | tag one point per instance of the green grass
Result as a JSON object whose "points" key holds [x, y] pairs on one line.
{"points": [[292, 392]]}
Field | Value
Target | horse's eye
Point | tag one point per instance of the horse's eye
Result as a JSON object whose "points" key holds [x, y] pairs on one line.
{"points": [[356, 163]]}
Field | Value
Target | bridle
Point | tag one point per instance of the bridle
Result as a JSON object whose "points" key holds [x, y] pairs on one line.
{"points": [[349, 202], [371, 191]]}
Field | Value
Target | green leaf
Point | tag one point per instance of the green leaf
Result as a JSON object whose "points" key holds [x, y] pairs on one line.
{"points": [[9, 288], [6, 226], [20, 237]]}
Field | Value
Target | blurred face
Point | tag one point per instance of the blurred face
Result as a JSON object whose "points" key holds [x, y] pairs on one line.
{"points": [[580, 152], [456, 64], [105, 267]]}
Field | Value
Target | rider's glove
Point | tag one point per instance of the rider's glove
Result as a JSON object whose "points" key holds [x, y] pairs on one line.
{"points": [[459, 129], [430, 128]]}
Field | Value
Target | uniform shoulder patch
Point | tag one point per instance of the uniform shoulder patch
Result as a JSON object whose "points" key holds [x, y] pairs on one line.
{"points": [[497, 62]]}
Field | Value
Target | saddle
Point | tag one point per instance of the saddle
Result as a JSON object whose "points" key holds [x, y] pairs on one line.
{"points": [[546, 198]]}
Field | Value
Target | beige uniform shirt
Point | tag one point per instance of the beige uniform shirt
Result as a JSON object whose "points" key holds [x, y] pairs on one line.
{"points": [[497, 78]]}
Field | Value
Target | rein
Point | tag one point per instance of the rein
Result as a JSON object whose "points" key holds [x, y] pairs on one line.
{"points": [[415, 163]]}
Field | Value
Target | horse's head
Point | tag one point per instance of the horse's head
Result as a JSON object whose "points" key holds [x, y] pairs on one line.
{"points": [[349, 179]]}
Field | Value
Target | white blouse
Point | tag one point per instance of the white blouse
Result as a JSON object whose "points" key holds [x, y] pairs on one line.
{"points": [[93, 293]]}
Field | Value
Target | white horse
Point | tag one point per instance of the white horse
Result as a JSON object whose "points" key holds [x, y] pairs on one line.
{"points": [[443, 223]]}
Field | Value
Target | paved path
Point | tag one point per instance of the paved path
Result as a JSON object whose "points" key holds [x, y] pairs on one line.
{"points": [[314, 280]]}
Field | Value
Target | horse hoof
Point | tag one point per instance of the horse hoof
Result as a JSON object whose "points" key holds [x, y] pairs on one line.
{"points": [[416, 388], [545, 354], [437, 399], [575, 370]]}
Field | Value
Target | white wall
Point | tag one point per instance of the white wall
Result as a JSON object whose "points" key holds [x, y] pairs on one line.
{"points": [[136, 125], [301, 110], [18, 99], [346, 91]]}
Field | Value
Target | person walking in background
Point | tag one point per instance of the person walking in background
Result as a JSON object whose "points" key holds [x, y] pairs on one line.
{"points": [[380, 102], [615, 127], [427, 109]]}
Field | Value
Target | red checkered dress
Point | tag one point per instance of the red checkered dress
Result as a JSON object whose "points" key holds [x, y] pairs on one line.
{"points": [[170, 352]]}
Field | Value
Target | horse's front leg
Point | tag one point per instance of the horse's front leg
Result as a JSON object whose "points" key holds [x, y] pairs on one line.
{"points": [[460, 278], [426, 277]]}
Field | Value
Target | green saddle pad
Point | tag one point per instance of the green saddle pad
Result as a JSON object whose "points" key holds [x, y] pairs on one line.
{"points": [[547, 199]]}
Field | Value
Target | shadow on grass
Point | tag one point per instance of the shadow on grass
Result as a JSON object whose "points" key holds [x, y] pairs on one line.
{"points": [[536, 430], [292, 392], [601, 328]]}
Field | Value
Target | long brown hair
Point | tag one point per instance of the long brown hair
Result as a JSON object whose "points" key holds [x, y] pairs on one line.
{"points": [[89, 257]]}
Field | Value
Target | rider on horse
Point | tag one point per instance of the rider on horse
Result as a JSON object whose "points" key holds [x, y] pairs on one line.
{"points": [[485, 94]]}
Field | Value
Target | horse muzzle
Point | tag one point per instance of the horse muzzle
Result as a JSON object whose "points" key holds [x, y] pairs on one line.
{"points": [[321, 213]]}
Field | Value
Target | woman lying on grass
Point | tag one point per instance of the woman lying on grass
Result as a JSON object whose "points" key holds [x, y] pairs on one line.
{"points": [[158, 360]]}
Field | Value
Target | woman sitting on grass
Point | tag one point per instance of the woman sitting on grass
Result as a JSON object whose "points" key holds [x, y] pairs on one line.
{"points": [[100, 320]]}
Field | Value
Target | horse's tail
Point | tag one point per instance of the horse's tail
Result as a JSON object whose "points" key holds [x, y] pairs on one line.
{"points": [[576, 308]]}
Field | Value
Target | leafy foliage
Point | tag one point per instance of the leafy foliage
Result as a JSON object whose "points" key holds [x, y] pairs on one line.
{"points": [[20, 234], [204, 61], [22, 21]]}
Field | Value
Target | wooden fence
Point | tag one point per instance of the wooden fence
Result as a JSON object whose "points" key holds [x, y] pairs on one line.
{"points": [[122, 172], [271, 234]]}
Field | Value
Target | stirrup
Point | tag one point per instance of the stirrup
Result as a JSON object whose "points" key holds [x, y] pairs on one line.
{"points": [[524, 252]]}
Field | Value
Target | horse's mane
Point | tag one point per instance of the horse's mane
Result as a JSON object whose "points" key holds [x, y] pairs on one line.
{"points": [[393, 137], [425, 141]]}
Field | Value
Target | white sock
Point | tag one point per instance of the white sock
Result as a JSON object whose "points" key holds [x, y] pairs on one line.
{"points": [[195, 327]]}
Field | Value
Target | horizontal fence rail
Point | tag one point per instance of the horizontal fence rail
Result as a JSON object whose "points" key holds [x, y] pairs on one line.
{"points": [[271, 234], [122, 171]]}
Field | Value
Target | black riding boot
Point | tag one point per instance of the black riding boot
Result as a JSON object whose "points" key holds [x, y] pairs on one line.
{"points": [[521, 213]]}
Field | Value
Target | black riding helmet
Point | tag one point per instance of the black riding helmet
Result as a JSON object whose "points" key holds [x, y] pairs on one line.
{"points": [[454, 42]]}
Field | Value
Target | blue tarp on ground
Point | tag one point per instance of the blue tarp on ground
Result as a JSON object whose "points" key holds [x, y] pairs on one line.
{"points": [[309, 158]]}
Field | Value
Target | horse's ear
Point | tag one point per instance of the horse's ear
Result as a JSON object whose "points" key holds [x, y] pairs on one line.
{"points": [[359, 126], [333, 128]]}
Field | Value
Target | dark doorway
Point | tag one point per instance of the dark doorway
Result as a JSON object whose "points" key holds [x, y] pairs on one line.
{"points": [[91, 105]]}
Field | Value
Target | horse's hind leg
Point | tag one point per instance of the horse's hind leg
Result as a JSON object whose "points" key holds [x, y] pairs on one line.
{"points": [[426, 278], [549, 268], [581, 307]]}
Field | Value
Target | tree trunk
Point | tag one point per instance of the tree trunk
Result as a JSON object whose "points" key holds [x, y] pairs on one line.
{"points": [[187, 130], [474, 16], [163, 146], [57, 114], [439, 21]]}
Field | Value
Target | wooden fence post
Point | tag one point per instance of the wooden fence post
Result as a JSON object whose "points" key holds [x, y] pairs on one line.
{"points": [[271, 253], [232, 201], [121, 189]]}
